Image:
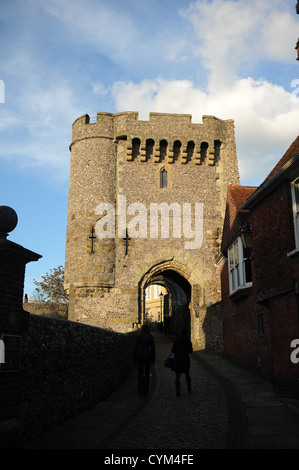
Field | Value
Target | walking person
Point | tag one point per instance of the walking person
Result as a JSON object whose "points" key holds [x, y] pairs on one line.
{"points": [[145, 356], [181, 349]]}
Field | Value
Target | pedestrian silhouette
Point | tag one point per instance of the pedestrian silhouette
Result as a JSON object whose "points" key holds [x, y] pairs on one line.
{"points": [[181, 349], [145, 356]]}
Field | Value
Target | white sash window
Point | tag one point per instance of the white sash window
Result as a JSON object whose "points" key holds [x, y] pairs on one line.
{"points": [[239, 265], [148, 293], [157, 291]]}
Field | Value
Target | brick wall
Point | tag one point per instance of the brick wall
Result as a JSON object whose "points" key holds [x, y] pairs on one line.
{"points": [[240, 330], [273, 293], [273, 238], [275, 277]]}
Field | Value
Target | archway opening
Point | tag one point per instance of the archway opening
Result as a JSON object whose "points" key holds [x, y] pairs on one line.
{"points": [[173, 302]]}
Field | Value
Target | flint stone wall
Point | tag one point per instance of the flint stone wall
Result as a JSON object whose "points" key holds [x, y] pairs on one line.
{"points": [[67, 367], [212, 327], [46, 309]]}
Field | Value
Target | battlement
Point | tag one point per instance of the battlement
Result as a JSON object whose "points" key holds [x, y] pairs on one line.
{"points": [[164, 134], [130, 117]]}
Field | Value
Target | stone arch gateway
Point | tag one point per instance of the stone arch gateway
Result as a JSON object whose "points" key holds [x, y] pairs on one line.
{"points": [[180, 306], [125, 231]]}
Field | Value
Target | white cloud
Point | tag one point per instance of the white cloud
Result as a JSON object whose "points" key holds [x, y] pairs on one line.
{"points": [[176, 96], [49, 105], [220, 37], [110, 30], [100, 89], [41, 127], [266, 117], [227, 34], [177, 50], [7, 120], [279, 34]]}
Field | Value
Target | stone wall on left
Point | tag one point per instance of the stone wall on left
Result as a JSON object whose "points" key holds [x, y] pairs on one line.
{"points": [[67, 367], [50, 369]]}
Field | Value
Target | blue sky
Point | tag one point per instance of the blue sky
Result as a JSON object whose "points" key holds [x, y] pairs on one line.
{"points": [[64, 58]]}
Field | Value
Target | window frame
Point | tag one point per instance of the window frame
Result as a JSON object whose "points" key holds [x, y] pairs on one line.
{"points": [[237, 267], [157, 291], [261, 330], [148, 293], [295, 208], [163, 178]]}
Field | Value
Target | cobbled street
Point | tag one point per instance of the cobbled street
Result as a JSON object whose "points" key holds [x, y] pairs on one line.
{"points": [[196, 420], [229, 408]]}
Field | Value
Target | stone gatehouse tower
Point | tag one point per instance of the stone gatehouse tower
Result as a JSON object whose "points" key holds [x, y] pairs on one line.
{"points": [[122, 170]]}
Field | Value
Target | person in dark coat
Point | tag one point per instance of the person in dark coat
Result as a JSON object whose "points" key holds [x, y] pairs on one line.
{"points": [[145, 356], [181, 349]]}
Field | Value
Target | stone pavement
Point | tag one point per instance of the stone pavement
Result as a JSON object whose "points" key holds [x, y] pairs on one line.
{"points": [[229, 408]]}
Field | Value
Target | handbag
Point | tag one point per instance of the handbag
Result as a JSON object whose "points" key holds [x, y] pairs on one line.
{"points": [[169, 361]]}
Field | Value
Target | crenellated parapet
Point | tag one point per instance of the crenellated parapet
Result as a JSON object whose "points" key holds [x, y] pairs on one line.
{"points": [[168, 138]]}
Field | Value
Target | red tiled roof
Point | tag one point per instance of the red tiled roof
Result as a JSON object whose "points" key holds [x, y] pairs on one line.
{"points": [[240, 194], [234, 217]]}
